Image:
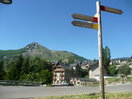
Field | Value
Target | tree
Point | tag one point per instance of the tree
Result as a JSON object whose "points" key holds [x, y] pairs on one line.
{"points": [[2, 71], [71, 60], [84, 73], [26, 69], [15, 69], [106, 58], [112, 70], [26, 65], [46, 76], [124, 69]]}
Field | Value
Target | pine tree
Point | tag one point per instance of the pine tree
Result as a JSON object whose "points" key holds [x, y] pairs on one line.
{"points": [[106, 58], [2, 71], [14, 71]]}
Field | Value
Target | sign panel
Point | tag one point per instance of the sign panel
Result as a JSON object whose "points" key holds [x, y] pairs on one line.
{"points": [[85, 24], [85, 17], [112, 10], [6, 1]]}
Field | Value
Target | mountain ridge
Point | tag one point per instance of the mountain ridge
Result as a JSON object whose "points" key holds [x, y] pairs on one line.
{"points": [[36, 50]]}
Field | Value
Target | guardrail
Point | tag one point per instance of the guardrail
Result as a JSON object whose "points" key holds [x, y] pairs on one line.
{"points": [[18, 83]]}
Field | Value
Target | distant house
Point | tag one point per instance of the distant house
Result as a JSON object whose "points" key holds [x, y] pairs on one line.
{"points": [[75, 70], [94, 71], [85, 66], [61, 74]]}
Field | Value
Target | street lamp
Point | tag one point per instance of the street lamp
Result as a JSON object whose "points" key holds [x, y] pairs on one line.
{"points": [[6, 1]]}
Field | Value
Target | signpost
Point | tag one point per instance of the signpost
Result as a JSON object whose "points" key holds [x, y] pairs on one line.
{"points": [[85, 24], [112, 10], [85, 17], [6, 1], [100, 52], [98, 27]]}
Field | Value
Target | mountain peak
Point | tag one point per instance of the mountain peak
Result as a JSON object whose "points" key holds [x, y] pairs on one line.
{"points": [[32, 45], [37, 50]]}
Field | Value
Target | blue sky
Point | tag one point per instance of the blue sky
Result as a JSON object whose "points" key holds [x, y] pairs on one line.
{"points": [[48, 22]]}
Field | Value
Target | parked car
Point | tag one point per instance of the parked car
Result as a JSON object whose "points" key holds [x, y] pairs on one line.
{"points": [[65, 84]]}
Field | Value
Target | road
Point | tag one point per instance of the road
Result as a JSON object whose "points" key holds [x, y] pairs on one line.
{"points": [[26, 92]]}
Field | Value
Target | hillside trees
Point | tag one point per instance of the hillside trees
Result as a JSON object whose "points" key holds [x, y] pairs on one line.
{"points": [[124, 69], [14, 70], [112, 70], [26, 69], [2, 71]]}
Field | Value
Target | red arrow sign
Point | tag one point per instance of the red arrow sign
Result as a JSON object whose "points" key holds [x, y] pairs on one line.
{"points": [[109, 9], [85, 17]]}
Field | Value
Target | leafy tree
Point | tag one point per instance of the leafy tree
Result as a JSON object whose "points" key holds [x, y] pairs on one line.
{"points": [[106, 58], [45, 77], [2, 71], [35, 66], [71, 60], [84, 73], [14, 70], [25, 67], [29, 69], [112, 70], [124, 69]]}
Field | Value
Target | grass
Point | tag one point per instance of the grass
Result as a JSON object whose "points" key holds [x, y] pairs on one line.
{"points": [[91, 96], [111, 80], [118, 80]]}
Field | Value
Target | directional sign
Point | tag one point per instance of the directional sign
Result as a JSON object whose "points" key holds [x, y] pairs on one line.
{"points": [[85, 24], [85, 17], [6, 1], [113, 10]]}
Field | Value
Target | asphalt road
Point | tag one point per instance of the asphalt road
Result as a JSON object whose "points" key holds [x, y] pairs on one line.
{"points": [[26, 92]]}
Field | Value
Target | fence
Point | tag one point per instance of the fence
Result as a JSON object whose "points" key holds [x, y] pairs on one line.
{"points": [[18, 83]]}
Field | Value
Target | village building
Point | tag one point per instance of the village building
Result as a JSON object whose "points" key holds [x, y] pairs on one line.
{"points": [[94, 71], [71, 74], [62, 73]]}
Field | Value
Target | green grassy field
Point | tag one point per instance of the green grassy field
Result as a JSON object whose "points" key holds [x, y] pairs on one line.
{"points": [[91, 96]]}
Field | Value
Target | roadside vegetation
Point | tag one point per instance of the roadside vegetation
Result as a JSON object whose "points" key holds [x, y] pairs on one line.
{"points": [[26, 69], [117, 80], [91, 96]]}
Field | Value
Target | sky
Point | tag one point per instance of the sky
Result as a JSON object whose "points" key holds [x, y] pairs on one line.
{"points": [[48, 22]]}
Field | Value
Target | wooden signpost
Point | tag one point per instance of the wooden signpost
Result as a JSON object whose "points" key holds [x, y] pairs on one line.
{"points": [[85, 24], [6, 1], [85, 17], [109, 9], [98, 27]]}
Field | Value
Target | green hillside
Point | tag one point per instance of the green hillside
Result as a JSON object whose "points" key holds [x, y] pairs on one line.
{"points": [[37, 50], [10, 52]]}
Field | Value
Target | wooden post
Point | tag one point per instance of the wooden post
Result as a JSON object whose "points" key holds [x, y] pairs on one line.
{"points": [[100, 51]]}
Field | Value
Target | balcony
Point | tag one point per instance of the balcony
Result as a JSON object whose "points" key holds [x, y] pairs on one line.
{"points": [[61, 79], [54, 78], [54, 74], [62, 75]]}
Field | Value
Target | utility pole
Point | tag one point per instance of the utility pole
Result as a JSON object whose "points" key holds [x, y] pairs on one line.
{"points": [[100, 51]]}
